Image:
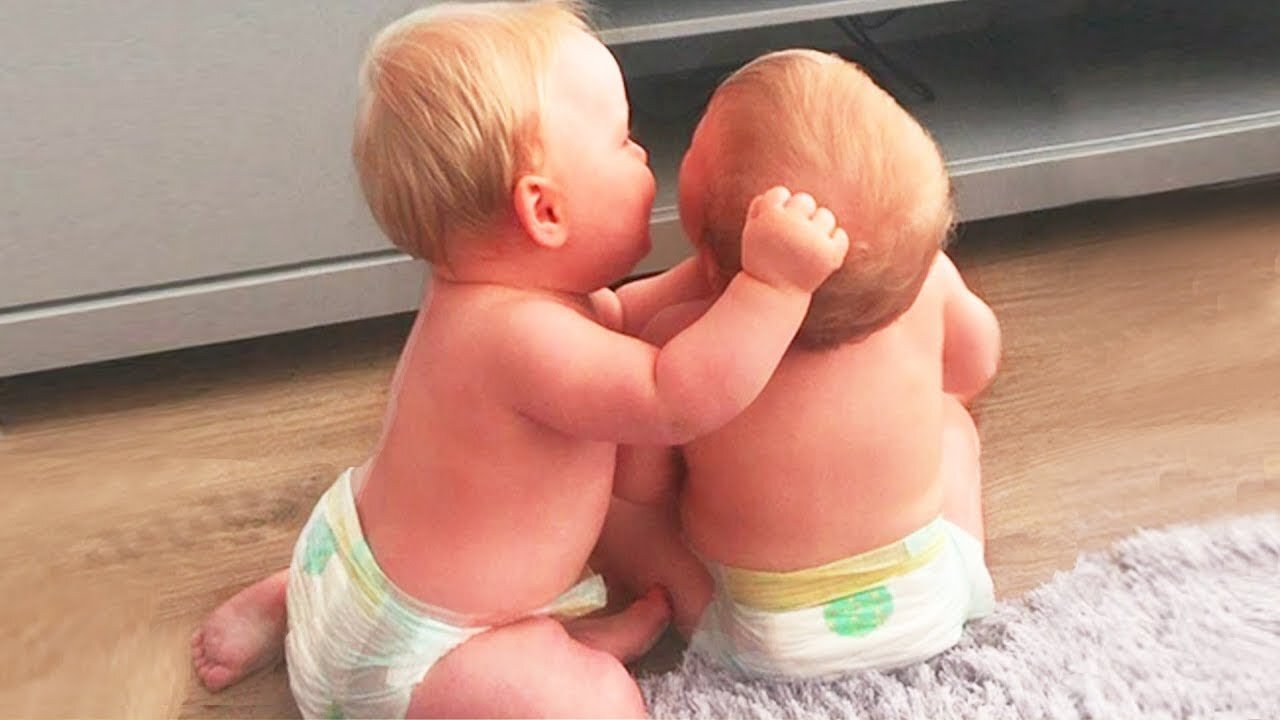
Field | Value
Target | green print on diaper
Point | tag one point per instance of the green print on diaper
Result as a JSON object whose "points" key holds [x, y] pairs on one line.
{"points": [[860, 613], [321, 544], [362, 556], [334, 712]]}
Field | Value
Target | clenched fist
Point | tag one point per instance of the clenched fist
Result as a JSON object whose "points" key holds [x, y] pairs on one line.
{"points": [[791, 243]]}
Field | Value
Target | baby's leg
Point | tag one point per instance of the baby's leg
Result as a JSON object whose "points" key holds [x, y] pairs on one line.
{"points": [[243, 635], [527, 669], [642, 546], [961, 469]]}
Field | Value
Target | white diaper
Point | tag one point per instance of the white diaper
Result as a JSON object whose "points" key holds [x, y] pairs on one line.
{"points": [[357, 644], [886, 608]]}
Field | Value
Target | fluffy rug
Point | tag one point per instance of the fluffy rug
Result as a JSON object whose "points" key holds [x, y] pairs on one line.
{"points": [[1175, 623]]}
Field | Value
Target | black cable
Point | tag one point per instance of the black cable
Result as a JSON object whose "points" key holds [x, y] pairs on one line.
{"points": [[856, 31]]}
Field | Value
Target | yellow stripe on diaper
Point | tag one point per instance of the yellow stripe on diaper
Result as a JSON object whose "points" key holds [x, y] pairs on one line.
{"points": [[362, 569], [782, 591]]}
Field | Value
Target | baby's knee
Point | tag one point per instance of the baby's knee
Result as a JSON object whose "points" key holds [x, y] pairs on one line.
{"points": [[589, 682], [613, 688], [618, 694], [531, 668]]}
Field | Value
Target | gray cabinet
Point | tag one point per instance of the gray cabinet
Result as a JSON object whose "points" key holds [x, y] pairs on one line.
{"points": [[177, 173]]}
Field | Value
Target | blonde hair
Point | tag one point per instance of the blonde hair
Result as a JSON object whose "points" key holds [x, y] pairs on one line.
{"points": [[816, 123], [450, 98]]}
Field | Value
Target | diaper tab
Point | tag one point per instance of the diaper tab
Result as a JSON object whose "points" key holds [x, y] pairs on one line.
{"points": [[585, 597]]}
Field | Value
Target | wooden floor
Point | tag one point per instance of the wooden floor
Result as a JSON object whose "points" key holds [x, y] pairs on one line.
{"points": [[1141, 386]]}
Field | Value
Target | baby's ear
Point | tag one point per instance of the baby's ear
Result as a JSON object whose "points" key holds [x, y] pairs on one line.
{"points": [[540, 209]]}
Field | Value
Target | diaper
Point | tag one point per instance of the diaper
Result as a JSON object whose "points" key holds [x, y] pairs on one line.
{"points": [[358, 645], [896, 605]]}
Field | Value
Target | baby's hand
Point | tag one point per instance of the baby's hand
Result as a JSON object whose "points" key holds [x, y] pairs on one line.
{"points": [[607, 308], [791, 243]]}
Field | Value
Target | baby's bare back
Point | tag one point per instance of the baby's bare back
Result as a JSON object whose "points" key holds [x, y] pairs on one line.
{"points": [[467, 504], [839, 454]]}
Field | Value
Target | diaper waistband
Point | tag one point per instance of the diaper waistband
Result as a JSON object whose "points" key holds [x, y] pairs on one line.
{"points": [[810, 587]]}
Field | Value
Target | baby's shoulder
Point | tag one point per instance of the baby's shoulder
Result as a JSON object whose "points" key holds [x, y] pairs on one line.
{"points": [[937, 283], [942, 270], [514, 322], [539, 308]]}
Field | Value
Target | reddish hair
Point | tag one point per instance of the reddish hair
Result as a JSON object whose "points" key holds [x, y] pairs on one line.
{"points": [[816, 123]]}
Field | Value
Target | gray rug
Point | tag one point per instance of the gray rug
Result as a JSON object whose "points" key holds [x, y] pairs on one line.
{"points": [[1176, 623]]}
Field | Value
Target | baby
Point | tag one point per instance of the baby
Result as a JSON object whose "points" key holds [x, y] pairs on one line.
{"points": [[839, 517], [492, 140]]}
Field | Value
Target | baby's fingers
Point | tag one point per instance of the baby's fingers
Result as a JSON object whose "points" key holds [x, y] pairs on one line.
{"points": [[802, 203], [773, 197], [840, 243], [824, 221]]}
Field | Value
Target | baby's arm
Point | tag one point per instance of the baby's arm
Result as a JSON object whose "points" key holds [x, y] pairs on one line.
{"points": [[971, 342], [585, 381], [650, 474], [647, 474], [643, 299]]}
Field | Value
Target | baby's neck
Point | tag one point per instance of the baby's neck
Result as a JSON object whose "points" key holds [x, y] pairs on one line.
{"points": [[524, 282], [508, 261]]}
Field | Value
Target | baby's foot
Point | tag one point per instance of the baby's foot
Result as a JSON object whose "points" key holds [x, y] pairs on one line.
{"points": [[629, 634], [243, 635]]}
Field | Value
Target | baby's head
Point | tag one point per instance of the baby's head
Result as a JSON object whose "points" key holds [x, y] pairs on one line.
{"points": [[816, 123], [479, 115]]}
